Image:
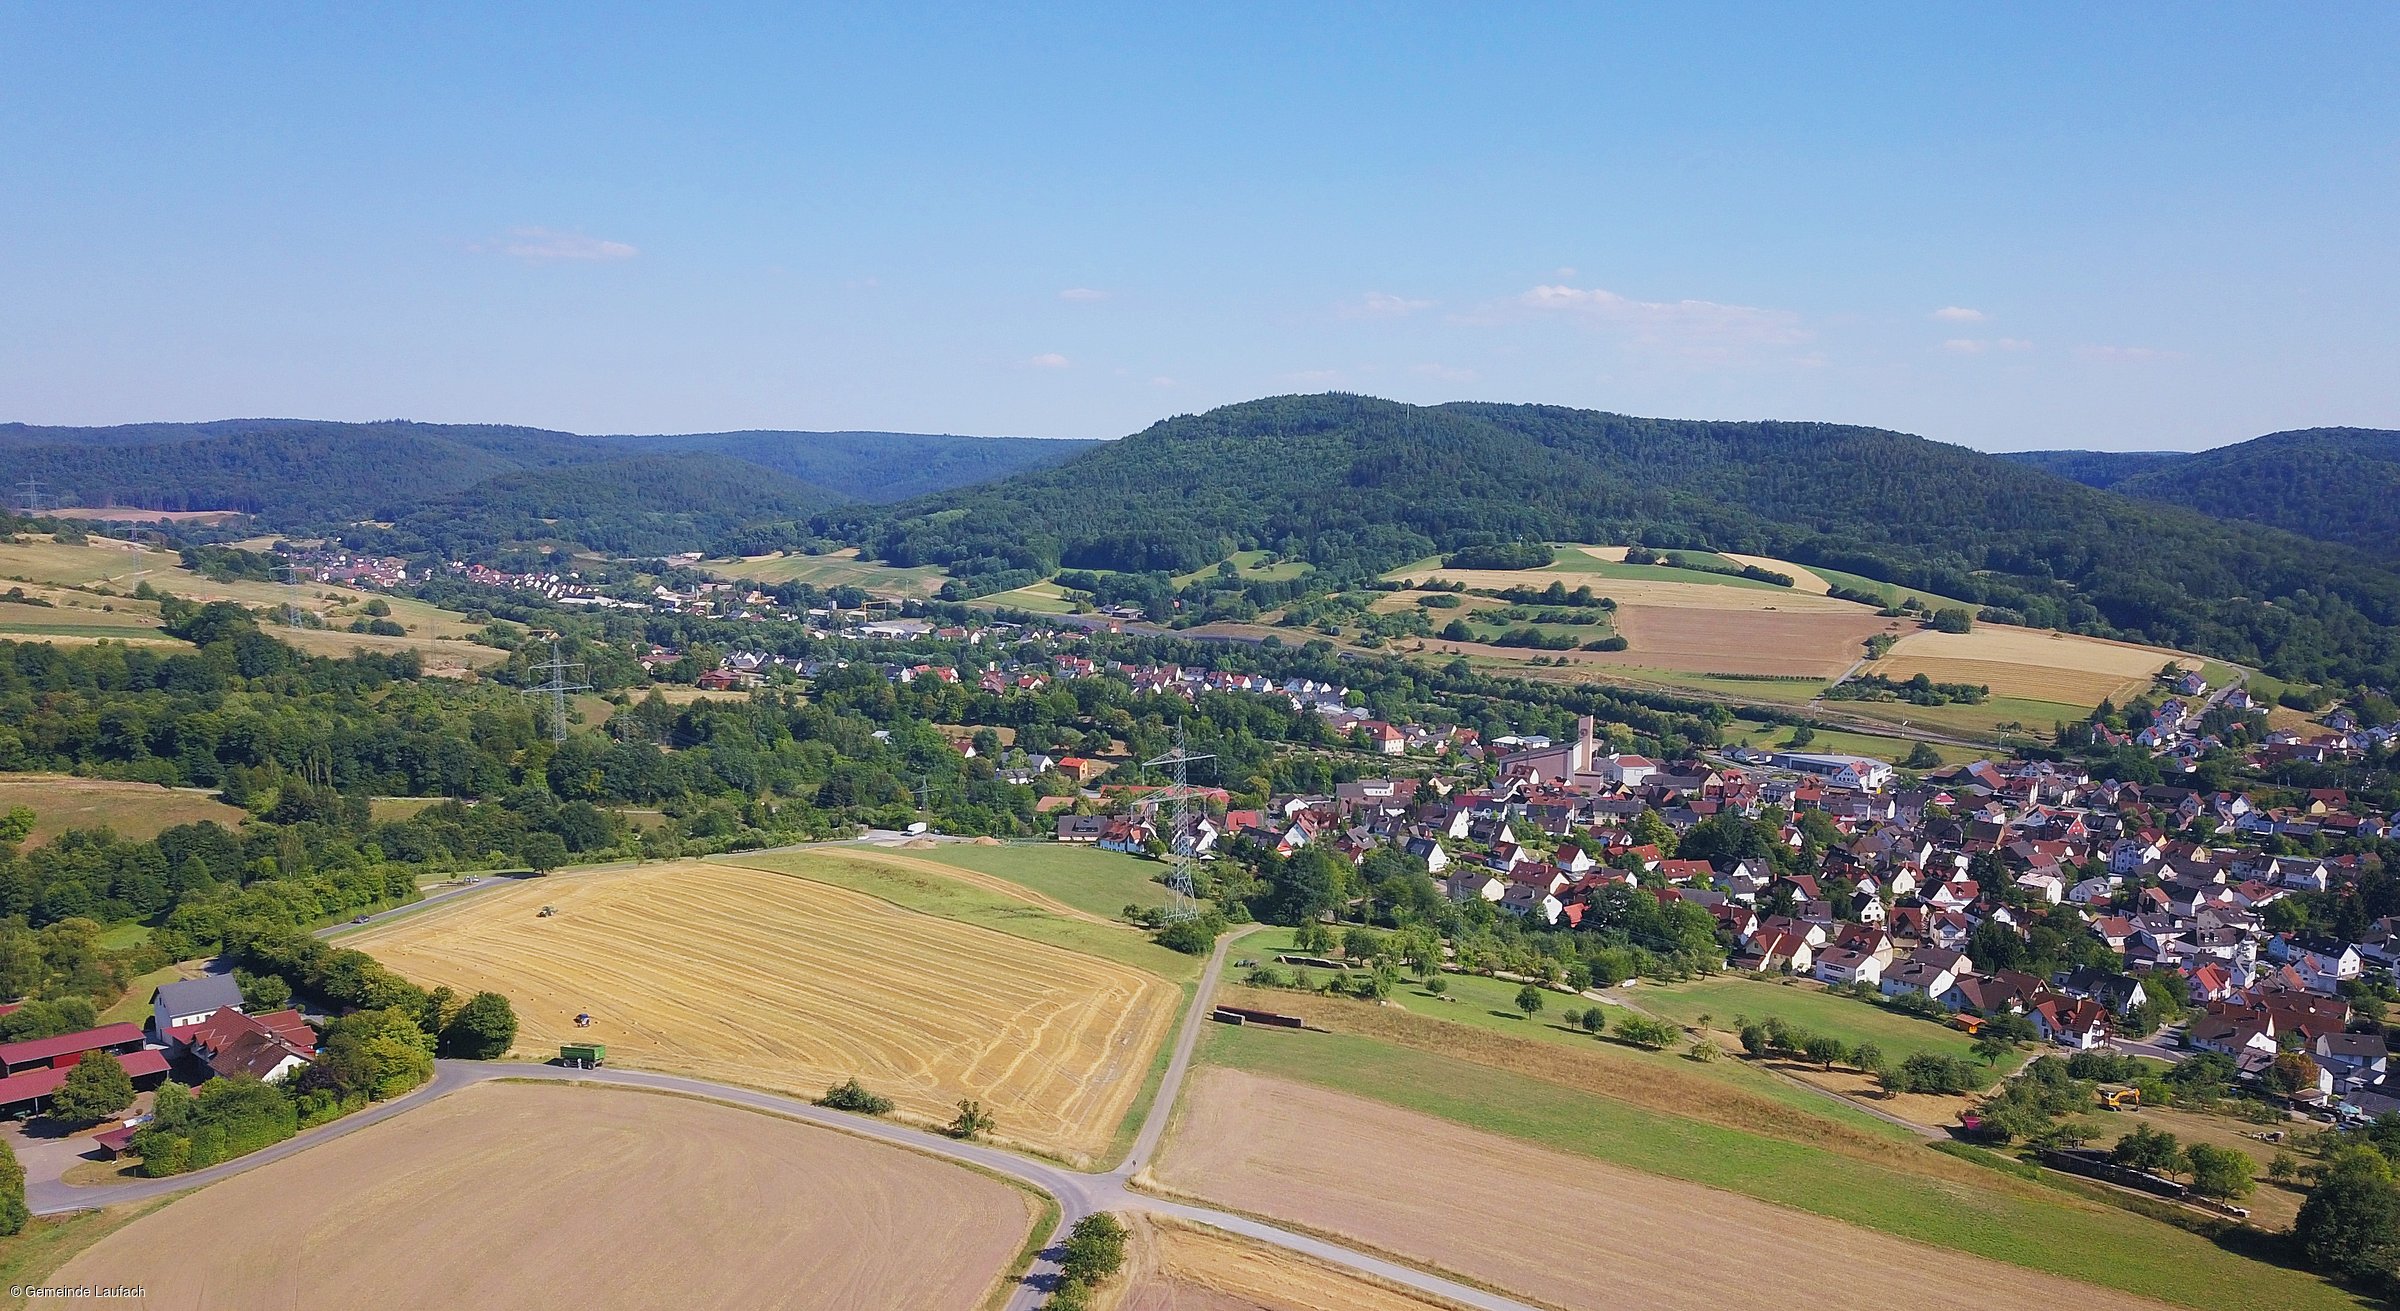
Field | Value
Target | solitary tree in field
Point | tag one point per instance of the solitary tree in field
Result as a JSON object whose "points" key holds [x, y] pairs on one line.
{"points": [[1594, 1020], [1529, 1000], [95, 1089], [973, 1121]]}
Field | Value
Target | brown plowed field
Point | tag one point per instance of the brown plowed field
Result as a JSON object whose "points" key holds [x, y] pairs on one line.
{"points": [[749, 977], [1821, 643], [539, 1197], [1497, 1211], [1178, 1267]]}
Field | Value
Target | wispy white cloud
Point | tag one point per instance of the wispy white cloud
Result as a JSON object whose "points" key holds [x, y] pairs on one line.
{"points": [[1384, 305], [1700, 329], [1444, 372], [543, 245], [1959, 314], [1049, 360], [1083, 294], [1163, 380], [1984, 345], [2126, 354], [1314, 377]]}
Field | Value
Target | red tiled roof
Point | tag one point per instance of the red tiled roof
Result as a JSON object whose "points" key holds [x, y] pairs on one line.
{"points": [[41, 1082], [67, 1044]]}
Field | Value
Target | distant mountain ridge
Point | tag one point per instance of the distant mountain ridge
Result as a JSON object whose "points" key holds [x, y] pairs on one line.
{"points": [[302, 473], [2332, 484]]}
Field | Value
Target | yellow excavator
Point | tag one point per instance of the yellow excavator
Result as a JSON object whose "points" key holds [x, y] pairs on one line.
{"points": [[2120, 1099]]}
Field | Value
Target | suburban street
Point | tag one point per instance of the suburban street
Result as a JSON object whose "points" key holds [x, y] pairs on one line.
{"points": [[1078, 1193]]}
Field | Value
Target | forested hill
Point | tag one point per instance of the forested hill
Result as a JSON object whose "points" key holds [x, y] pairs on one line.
{"points": [[2333, 484], [300, 474], [1357, 485], [875, 466], [2096, 468]]}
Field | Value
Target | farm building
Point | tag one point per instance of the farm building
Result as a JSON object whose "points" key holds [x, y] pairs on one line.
{"points": [[38, 1066], [190, 1001], [1862, 772], [68, 1048], [265, 1047]]}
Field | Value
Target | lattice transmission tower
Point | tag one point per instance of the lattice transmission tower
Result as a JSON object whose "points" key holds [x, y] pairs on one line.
{"points": [[1183, 902], [556, 688]]}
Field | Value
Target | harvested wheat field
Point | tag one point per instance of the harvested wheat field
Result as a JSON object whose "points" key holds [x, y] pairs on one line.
{"points": [[539, 1196], [1327, 1161], [772, 981], [2034, 663], [1172, 1266]]}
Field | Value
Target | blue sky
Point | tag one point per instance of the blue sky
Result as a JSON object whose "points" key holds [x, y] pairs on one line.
{"points": [[2168, 226]]}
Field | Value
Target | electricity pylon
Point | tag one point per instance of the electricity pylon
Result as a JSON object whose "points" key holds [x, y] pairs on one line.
{"points": [[1183, 902], [557, 687]]}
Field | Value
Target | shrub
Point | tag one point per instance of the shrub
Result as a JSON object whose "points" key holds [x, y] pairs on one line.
{"points": [[853, 1096], [1642, 1031]]}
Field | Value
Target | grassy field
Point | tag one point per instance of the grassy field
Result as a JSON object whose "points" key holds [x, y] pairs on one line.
{"points": [[551, 1196], [1739, 1094], [1766, 736], [1101, 882], [1892, 593], [791, 983], [1251, 567], [835, 569], [133, 810], [1728, 997], [134, 1006], [1759, 690], [1989, 1215], [1043, 598], [90, 586], [1999, 718], [908, 879]]}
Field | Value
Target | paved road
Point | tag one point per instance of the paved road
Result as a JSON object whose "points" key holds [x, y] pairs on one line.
{"points": [[1078, 1193]]}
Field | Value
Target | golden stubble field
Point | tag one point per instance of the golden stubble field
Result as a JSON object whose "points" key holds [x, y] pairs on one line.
{"points": [[541, 1196], [1173, 1266], [773, 981], [1327, 1161], [2033, 663]]}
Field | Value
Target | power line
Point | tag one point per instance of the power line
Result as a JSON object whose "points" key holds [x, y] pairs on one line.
{"points": [[557, 687], [30, 498]]}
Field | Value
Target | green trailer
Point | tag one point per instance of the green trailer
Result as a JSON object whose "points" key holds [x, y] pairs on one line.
{"points": [[582, 1055]]}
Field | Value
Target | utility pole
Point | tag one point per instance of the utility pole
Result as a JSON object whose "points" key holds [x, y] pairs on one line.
{"points": [[30, 498], [557, 687], [1183, 902]]}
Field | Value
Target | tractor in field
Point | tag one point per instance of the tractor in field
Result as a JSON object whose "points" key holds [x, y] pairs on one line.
{"points": [[546, 912]]}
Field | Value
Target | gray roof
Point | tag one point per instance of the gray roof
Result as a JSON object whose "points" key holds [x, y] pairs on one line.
{"points": [[206, 993]]}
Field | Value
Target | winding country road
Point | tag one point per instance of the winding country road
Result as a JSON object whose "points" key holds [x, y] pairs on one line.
{"points": [[1078, 1193]]}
